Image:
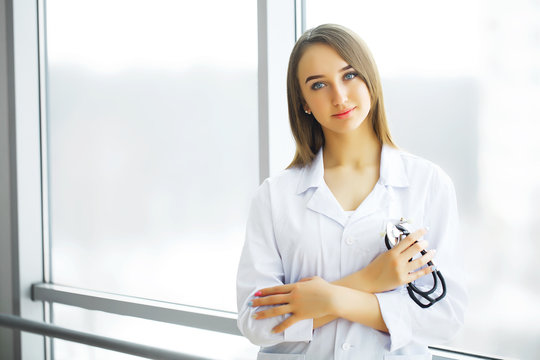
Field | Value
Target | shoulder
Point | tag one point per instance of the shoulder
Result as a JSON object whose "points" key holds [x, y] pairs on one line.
{"points": [[427, 179], [281, 184], [422, 171], [286, 179]]}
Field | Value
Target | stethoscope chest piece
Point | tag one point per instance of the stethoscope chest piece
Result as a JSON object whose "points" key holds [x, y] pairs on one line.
{"points": [[395, 233]]}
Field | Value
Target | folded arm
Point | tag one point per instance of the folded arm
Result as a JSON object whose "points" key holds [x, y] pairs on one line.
{"points": [[260, 266], [404, 319], [352, 297], [383, 279]]}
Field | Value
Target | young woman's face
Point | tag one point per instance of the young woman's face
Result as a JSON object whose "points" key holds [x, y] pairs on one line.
{"points": [[333, 92]]}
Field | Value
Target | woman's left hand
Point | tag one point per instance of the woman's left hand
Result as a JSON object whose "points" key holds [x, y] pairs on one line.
{"points": [[310, 298]]}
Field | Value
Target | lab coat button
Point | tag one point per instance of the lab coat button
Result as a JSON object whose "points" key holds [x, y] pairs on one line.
{"points": [[349, 241], [346, 346]]}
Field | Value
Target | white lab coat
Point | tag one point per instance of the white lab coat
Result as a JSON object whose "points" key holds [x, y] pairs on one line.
{"points": [[296, 229]]}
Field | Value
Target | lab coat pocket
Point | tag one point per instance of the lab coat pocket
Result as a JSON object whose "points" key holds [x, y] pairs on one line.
{"points": [[408, 357], [274, 356]]}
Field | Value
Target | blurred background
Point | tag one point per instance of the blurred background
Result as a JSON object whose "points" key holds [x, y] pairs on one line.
{"points": [[153, 156]]}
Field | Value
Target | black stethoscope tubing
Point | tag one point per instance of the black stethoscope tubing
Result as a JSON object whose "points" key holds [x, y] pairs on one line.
{"points": [[411, 288]]}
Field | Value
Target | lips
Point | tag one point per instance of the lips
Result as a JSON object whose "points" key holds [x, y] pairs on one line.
{"points": [[345, 113]]}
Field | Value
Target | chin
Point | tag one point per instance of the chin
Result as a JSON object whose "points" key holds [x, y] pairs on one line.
{"points": [[343, 126], [351, 126]]}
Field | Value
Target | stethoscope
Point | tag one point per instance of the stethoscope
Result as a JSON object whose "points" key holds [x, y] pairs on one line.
{"points": [[396, 233]]}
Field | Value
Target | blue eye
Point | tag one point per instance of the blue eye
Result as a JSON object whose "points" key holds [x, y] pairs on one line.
{"points": [[317, 85], [350, 76]]}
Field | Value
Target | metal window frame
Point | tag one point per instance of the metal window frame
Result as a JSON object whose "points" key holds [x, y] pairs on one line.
{"points": [[126, 347], [6, 181], [278, 25], [300, 17], [25, 208], [131, 348], [192, 316]]}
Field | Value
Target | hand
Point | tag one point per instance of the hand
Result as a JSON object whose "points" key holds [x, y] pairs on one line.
{"points": [[309, 298], [393, 268]]}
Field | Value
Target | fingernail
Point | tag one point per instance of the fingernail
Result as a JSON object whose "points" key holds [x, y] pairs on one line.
{"points": [[250, 303], [273, 331], [258, 293], [255, 316]]}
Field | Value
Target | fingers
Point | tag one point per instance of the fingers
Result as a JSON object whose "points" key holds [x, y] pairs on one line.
{"points": [[291, 320], [275, 311], [270, 300], [418, 274], [421, 261], [409, 240], [281, 289], [414, 249]]}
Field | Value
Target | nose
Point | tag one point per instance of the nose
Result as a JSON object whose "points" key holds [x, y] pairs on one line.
{"points": [[339, 95]]}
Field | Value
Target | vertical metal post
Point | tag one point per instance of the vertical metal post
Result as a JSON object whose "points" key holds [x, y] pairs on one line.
{"points": [[26, 191], [276, 26], [300, 17], [262, 30], [7, 269], [43, 120]]}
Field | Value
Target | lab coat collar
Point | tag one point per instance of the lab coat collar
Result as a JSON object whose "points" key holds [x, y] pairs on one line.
{"points": [[312, 175], [392, 170]]}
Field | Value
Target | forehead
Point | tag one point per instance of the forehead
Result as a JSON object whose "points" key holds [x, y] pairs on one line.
{"points": [[319, 59]]}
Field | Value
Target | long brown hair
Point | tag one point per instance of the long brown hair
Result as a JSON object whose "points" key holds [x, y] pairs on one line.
{"points": [[306, 130]]}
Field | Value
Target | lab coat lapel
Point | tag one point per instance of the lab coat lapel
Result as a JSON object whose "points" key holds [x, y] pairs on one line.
{"points": [[378, 199], [392, 174], [382, 197], [324, 202], [321, 198]]}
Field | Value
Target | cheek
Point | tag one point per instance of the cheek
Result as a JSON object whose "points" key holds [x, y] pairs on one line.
{"points": [[367, 101], [314, 101], [364, 94]]}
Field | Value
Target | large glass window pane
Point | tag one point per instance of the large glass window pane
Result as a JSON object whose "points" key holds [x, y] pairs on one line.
{"points": [[153, 145], [461, 82], [209, 344]]}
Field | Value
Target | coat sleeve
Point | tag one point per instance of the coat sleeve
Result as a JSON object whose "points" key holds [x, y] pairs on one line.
{"points": [[261, 267], [405, 320]]}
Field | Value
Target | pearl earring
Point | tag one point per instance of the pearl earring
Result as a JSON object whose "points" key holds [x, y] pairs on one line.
{"points": [[307, 112]]}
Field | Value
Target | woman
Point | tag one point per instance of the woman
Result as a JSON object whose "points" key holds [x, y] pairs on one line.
{"points": [[315, 280]]}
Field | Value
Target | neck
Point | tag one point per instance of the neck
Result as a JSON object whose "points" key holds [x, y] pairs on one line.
{"points": [[357, 150]]}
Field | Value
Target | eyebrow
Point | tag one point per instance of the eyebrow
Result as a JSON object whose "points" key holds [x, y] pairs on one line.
{"points": [[320, 76]]}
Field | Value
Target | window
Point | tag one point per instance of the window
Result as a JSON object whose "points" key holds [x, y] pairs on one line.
{"points": [[152, 130], [152, 146], [154, 140], [204, 343]]}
